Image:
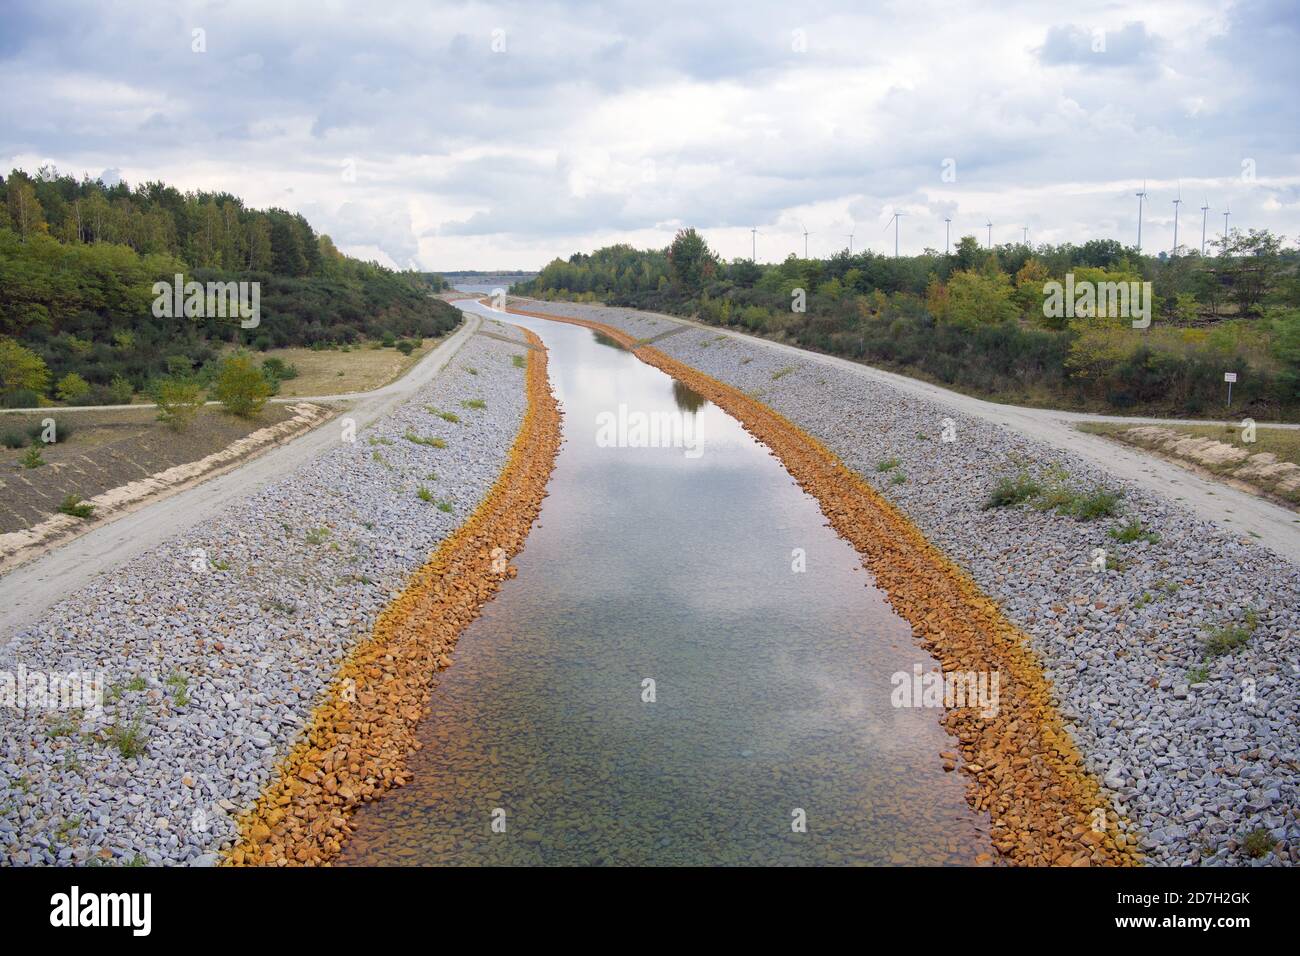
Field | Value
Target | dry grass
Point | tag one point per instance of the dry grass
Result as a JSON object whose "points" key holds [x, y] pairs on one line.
{"points": [[334, 372]]}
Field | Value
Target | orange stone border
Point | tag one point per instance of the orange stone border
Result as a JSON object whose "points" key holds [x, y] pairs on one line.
{"points": [[360, 735], [1022, 764]]}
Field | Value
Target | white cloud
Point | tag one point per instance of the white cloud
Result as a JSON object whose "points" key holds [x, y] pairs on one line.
{"points": [[619, 123]]}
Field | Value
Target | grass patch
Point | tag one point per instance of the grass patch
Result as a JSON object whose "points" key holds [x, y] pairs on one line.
{"points": [[1057, 494], [887, 464], [1224, 639], [518, 361], [1258, 843], [782, 372], [1198, 675], [180, 685], [318, 535], [445, 506], [422, 440], [1133, 531], [1012, 490], [424, 494], [897, 478], [477, 403], [445, 416], [128, 738]]}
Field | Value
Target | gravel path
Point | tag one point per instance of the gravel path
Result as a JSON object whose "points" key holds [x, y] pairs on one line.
{"points": [[216, 643], [1197, 759]]}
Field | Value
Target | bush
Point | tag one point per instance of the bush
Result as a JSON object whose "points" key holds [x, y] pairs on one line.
{"points": [[72, 388], [279, 369], [73, 505], [405, 347], [33, 458], [179, 400], [13, 438], [240, 386], [121, 390], [22, 398]]}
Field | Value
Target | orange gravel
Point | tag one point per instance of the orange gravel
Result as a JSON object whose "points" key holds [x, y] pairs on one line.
{"points": [[360, 735], [1022, 765]]}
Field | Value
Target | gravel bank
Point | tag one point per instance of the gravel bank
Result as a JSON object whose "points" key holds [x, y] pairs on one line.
{"points": [[1197, 759], [215, 646]]}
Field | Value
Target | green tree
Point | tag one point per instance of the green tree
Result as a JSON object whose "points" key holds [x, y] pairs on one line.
{"points": [[72, 388], [21, 369], [691, 261], [980, 298], [241, 386], [179, 400]]}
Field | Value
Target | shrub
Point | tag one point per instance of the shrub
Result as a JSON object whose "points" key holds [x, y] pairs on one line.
{"points": [[424, 494], [240, 386], [279, 369], [72, 388], [33, 458], [21, 370], [13, 438], [179, 400], [74, 506], [121, 390], [21, 398], [405, 347]]}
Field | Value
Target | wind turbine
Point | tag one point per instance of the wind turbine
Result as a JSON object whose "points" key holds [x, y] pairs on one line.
{"points": [[850, 236], [1205, 215], [947, 233], [1177, 203], [990, 225], [897, 216], [753, 236], [1141, 196], [806, 234], [1226, 213], [1025, 235]]}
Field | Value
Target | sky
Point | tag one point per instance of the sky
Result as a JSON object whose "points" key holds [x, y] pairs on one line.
{"points": [[450, 136]]}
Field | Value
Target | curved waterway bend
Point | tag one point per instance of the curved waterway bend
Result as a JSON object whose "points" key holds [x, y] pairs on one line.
{"points": [[772, 686]]}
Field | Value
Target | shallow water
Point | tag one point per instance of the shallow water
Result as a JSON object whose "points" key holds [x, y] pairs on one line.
{"points": [[771, 686]]}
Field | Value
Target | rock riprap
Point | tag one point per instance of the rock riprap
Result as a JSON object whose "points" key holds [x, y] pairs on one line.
{"points": [[217, 646]]}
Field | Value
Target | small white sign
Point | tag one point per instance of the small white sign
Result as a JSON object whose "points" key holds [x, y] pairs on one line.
{"points": [[1229, 376]]}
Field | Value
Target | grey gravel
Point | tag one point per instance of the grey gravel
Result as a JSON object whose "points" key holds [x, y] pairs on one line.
{"points": [[219, 667]]}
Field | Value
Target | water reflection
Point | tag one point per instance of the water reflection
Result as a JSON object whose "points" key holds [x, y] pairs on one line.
{"points": [[687, 399]]}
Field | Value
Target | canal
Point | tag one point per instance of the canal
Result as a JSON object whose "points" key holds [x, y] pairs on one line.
{"points": [[691, 667]]}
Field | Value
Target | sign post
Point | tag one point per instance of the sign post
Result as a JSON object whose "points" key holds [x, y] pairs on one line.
{"points": [[1229, 377]]}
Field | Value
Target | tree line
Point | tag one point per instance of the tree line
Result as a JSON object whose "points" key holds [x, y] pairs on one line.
{"points": [[975, 318], [78, 260]]}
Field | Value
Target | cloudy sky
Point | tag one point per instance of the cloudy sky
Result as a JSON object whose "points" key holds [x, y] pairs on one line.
{"points": [[466, 135]]}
